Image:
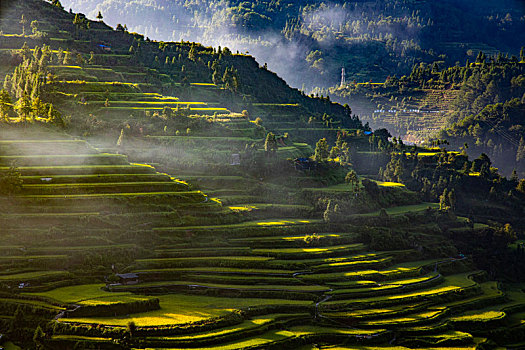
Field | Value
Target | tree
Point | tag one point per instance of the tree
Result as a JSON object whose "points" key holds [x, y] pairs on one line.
{"points": [[119, 27], [38, 337], [25, 51], [38, 108], [6, 105], [23, 22], [54, 116], [120, 141], [192, 54], [335, 152], [10, 182], [521, 186], [167, 111], [520, 153], [34, 27], [327, 215], [484, 172], [91, 58], [57, 4], [99, 16], [216, 77], [24, 108], [322, 150], [68, 58], [452, 200], [17, 322], [352, 179], [80, 59], [132, 328], [382, 133], [443, 200], [79, 23], [270, 144]]}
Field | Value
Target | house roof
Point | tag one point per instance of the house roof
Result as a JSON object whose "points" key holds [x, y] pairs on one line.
{"points": [[127, 275]]}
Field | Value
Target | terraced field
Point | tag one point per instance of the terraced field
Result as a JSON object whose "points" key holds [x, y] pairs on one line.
{"points": [[266, 282], [257, 271], [68, 187], [278, 290], [165, 241]]}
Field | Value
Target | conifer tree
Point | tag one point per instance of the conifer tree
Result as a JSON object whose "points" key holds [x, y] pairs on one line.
{"points": [[24, 108], [23, 22], [270, 144], [443, 200], [322, 151], [6, 105], [520, 154]]}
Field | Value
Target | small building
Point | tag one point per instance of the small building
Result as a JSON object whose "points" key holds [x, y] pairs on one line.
{"points": [[104, 47], [128, 278]]}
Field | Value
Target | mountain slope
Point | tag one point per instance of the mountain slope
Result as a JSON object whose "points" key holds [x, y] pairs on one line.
{"points": [[317, 39]]}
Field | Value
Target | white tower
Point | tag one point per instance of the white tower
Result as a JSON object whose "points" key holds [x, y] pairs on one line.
{"points": [[343, 79]]}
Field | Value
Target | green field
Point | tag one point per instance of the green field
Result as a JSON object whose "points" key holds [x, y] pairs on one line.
{"points": [[181, 308]]}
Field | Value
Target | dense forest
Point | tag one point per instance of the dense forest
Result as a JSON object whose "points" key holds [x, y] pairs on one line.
{"points": [[309, 42]]}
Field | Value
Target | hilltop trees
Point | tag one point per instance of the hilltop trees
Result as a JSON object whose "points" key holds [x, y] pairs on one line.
{"points": [[81, 23], [57, 4]]}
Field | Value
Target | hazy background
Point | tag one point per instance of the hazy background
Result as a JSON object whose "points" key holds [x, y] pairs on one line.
{"points": [[308, 42]]}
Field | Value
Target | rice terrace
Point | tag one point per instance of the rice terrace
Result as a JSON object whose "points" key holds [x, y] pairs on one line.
{"points": [[160, 193]]}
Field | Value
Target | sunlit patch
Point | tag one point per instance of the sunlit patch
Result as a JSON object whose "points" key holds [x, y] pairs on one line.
{"points": [[203, 84], [243, 208], [141, 164], [390, 184]]}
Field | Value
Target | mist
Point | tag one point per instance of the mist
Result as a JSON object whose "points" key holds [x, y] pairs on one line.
{"points": [[327, 27]]}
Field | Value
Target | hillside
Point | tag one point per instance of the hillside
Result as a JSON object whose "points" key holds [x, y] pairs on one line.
{"points": [[268, 281], [433, 99], [308, 43], [96, 56], [171, 195], [497, 131]]}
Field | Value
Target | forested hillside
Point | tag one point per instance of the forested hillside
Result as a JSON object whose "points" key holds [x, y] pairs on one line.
{"points": [[434, 97], [309, 42]]}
